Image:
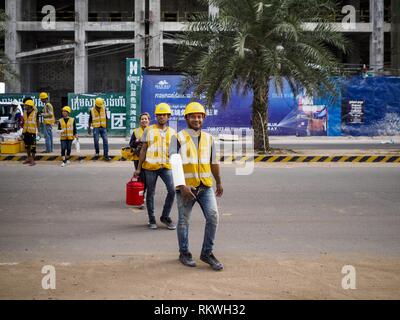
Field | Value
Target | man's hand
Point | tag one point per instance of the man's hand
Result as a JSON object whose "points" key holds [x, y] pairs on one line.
{"points": [[136, 174], [187, 193], [89, 131], [219, 190]]}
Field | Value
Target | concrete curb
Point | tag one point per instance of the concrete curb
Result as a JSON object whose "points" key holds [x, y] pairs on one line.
{"points": [[364, 158]]}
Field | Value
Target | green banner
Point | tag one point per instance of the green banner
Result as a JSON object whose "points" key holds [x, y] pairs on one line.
{"points": [[133, 92], [115, 108], [9, 97]]}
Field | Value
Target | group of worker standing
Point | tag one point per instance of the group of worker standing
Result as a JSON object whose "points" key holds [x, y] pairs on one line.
{"points": [[197, 149], [153, 145], [66, 128]]}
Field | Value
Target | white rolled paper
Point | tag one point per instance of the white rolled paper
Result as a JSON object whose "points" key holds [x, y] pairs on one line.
{"points": [[177, 170]]}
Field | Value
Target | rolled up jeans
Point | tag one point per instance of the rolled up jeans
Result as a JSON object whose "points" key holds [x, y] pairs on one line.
{"points": [[208, 203], [151, 180]]}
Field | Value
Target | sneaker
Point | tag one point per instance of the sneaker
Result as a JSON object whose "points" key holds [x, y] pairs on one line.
{"points": [[152, 226], [32, 163], [107, 158], [26, 161], [212, 261], [168, 222], [186, 259], [63, 164], [68, 162]]}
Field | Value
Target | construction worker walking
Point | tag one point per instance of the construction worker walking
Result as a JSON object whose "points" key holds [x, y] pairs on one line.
{"points": [[68, 133], [29, 131], [98, 120], [155, 161], [198, 152], [48, 121]]}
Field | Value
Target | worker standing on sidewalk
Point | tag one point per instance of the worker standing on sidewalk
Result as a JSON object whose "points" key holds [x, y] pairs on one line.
{"points": [[29, 131], [155, 161], [198, 152], [48, 121], [68, 133], [98, 120]]}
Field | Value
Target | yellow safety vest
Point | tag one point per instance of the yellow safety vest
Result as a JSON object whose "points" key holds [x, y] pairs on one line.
{"points": [[157, 148], [48, 108], [68, 133], [99, 119], [138, 134], [196, 163], [30, 124]]}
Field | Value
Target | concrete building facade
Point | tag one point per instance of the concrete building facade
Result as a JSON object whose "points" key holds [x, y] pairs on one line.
{"points": [[80, 46]]}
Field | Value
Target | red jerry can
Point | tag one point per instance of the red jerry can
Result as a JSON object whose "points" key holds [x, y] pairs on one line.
{"points": [[134, 193]]}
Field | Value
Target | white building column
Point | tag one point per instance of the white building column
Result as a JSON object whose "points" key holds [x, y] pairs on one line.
{"points": [[155, 34], [13, 44], [81, 58], [377, 37], [140, 30], [395, 36]]}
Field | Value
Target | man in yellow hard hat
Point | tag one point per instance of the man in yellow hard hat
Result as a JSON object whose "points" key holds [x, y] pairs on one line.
{"points": [[48, 121], [30, 129], [154, 160], [198, 152], [98, 120], [67, 128]]}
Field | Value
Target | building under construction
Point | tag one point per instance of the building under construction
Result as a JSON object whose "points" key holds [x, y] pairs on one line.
{"points": [[80, 46]]}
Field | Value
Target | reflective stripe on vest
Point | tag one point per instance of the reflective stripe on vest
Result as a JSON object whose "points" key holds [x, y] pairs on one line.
{"points": [[99, 119], [30, 124], [48, 108], [196, 162], [68, 133], [138, 134], [157, 148]]}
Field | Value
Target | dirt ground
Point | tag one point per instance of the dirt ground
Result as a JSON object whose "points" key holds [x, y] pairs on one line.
{"points": [[163, 277]]}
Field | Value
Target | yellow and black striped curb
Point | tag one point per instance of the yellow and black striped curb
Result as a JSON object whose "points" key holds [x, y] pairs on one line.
{"points": [[229, 159]]}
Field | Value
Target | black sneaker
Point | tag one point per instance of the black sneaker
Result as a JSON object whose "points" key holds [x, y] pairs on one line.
{"points": [[212, 261], [168, 222], [107, 158], [186, 259]]}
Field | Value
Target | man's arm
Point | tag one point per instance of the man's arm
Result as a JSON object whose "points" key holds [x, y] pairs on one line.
{"points": [[215, 169], [142, 158], [90, 122]]}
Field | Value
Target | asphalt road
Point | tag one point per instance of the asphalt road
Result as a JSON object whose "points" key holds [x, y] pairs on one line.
{"points": [[78, 213]]}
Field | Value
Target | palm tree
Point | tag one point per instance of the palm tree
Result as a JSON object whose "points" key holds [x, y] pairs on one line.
{"points": [[251, 42]]}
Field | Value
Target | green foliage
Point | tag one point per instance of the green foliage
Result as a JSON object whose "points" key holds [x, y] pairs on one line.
{"points": [[251, 41]]}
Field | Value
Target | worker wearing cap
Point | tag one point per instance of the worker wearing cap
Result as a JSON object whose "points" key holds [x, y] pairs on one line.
{"points": [[48, 121], [98, 120], [67, 127], [155, 161], [198, 152], [29, 131]]}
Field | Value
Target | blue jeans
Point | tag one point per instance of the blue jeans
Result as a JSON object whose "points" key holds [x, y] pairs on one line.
{"points": [[103, 133], [151, 180], [48, 136], [208, 203]]}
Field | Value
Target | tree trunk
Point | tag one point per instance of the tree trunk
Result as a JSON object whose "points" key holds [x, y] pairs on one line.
{"points": [[260, 118]]}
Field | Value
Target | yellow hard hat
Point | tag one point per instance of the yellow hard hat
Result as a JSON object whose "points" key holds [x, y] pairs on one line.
{"points": [[163, 108], [194, 107], [99, 102], [67, 108], [30, 103], [43, 95]]}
